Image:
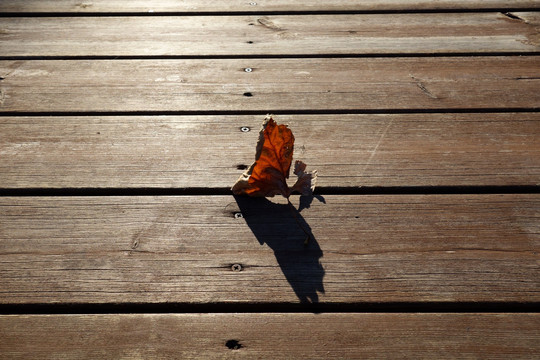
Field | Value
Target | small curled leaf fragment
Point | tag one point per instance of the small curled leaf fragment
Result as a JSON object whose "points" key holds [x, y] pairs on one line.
{"points": [[305, 184]]}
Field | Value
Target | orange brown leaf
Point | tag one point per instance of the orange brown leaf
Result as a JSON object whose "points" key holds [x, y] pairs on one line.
{"points": [[268, 175]]}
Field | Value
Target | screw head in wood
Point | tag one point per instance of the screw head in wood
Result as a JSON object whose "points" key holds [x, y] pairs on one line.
{"points": [[244, 129], [248, 69], [236, 267]]}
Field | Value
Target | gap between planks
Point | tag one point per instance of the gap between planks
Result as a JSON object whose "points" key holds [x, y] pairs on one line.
{"points": [[104, 7], [442, 307], [205, 191]]}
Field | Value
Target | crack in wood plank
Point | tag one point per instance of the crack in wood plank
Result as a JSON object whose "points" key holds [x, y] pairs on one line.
{"points": [[374, 151], [422, 87], [11, 69], [84, 5], [269, 24], [514, 17]]}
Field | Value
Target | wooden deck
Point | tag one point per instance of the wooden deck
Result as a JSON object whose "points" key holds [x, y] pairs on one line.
{"points": [[123, 125]]}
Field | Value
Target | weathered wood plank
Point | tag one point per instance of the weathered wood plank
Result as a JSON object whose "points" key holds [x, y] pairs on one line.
{"points": [[106, 6], [271, 35], [211, 151], [180, 249], [276, 336], [274, 84]]}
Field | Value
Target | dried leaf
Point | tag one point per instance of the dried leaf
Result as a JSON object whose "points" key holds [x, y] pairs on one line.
{"points": [[268, 175]]}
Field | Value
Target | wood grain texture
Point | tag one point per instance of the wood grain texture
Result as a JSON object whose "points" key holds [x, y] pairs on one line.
{"points": [[212, 151], [105, 6], [276, 336], [141, 120], [274, 84], [271, 35], [396, 248]]}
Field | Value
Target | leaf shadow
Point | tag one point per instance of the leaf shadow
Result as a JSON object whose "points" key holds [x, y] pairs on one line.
{"points": [[275, 225]]}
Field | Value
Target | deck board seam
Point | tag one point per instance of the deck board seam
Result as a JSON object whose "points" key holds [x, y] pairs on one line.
{"points": [[182, 308], [270, 56], [275, 112], [263, 12], [379, 190]]}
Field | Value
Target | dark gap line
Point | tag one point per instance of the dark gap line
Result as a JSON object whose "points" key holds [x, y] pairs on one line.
{"points": [[367, 307], [429, 190], [271, 56], [256, 12], [271, 111], [373, 190]]}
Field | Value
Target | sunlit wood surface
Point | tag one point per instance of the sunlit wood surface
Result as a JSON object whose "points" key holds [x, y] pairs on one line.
{"points": [[123, 126]]}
